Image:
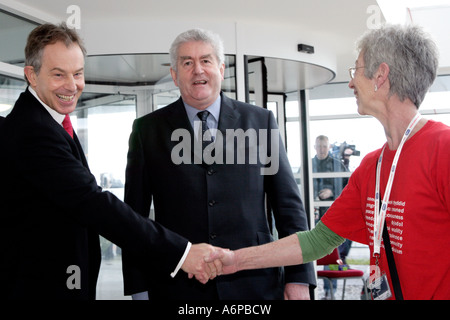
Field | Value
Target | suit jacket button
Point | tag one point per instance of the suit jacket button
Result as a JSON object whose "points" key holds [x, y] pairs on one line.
{"points": [[212, 203], [213, 236], [210, 172]]}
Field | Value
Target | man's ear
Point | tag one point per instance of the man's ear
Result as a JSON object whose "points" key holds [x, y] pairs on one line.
{"points": [[30, 74], [222, 71], [173, 73]]}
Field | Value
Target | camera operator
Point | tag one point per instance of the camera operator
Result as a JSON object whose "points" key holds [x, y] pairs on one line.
{"points": [[328, 189]]}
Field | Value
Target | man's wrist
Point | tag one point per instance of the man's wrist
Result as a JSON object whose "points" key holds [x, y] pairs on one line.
{"points": [[183, 258]]}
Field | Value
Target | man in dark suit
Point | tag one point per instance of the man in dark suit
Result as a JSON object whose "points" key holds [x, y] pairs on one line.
{"points": [[216, 195], [51, 207], [1, 120]]}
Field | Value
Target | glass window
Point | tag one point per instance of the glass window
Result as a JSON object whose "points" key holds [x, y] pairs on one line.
{"points": [[293, 144], [362, 134], [273, 106], [10, 89], [333, 112], [435, 105], [104, 131], [14, 32], [332, 99]]}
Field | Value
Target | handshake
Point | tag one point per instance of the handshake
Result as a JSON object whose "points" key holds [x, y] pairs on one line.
{"points": [[205, 262]]}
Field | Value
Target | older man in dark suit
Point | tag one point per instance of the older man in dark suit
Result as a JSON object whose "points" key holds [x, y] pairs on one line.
{"points": [[51, 207], [215, 195]]}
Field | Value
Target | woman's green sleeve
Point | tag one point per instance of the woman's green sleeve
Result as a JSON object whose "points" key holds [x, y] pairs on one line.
{"points": [[318, 242]]}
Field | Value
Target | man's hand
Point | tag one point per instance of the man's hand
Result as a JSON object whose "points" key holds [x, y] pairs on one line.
{"points": [[227, 259], [197, 265], [296, 291], [325, 193]]}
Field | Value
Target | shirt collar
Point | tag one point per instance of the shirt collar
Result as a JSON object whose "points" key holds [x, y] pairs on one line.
{"points": [[214, 109], [55, 115]]}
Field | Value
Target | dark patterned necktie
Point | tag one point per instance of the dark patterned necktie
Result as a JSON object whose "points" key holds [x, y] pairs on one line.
{"points": [[203, 115]]}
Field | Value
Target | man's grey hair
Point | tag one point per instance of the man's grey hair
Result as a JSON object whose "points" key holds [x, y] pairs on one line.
{"points": [[197, 35], [410, 53]]}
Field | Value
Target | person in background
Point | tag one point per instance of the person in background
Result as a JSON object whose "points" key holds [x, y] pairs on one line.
{"points": [[222, 201], [51, 206], [328, 189], [395, 68]]}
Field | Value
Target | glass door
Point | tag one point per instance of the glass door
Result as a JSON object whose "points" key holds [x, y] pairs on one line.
{"points": [[103, 123]]}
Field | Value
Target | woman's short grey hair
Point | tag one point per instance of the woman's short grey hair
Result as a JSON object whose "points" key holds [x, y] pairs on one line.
{"points": [[411, 55], [197, 35]]}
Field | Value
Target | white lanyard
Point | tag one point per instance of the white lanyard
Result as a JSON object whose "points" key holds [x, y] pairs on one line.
{"points": [[380, 214]]}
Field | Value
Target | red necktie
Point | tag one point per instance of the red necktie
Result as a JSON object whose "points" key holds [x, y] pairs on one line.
{"points": [[67, 125]]}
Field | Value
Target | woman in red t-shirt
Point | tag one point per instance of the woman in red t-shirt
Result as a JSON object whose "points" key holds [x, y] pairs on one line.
{"points": [[395, 67]]}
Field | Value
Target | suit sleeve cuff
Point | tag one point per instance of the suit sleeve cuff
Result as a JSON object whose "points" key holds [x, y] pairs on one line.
{"points": [[180, 263]]}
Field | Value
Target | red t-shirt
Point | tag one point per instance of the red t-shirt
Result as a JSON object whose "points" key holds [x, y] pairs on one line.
{"points": [[418, 217]]}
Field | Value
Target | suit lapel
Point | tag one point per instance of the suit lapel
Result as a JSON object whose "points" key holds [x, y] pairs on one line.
{"points": [[80, 154], [178, 118], [46, 118], [228, 115]]}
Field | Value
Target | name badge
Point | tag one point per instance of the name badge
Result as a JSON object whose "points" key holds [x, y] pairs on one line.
{"points": [[379, 287]]}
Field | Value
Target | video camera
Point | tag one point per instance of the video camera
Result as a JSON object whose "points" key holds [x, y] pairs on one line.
{"points": [[343, 151]]}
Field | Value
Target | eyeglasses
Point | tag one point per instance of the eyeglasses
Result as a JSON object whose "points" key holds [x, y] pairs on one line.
{"points": [[352, 71]]}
